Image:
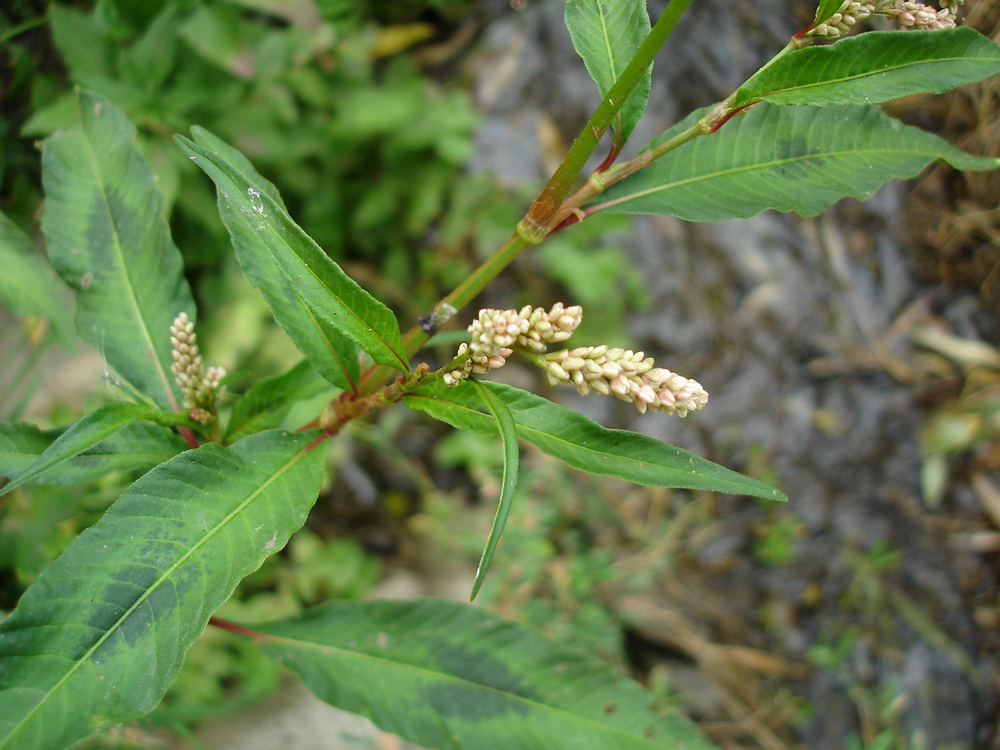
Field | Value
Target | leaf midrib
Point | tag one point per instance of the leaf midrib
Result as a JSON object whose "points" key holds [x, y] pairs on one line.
{"points": [[84, 658], [266, 220], [869, 74], [522, 429], [445, 676], [762, 165], [120, 255]]}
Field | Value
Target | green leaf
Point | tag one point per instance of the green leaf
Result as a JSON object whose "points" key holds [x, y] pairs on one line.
{"points": [[139, 445], [266, 404], [108, 239], [27, 284], [84, 40], [254, 217], [87, 432], [607, 34], [447, 675], [335, 356], [508, 438], [799, 159], [584, 444], [97, 639], [874, 67], [826, 9]]}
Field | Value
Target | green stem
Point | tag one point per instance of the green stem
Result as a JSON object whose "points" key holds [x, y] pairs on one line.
{"points": [[416, 337], [538, 222]]}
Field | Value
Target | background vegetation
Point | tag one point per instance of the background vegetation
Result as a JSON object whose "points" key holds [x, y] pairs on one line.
{"points": [[362, 114]]}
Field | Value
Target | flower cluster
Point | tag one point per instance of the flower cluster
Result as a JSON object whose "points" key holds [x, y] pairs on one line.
{"points": [[909, 15], [494, 332], [198, 385], [631, 376]]}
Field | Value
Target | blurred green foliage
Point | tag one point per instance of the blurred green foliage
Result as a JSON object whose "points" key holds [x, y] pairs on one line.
{"points": [[347, 132], [552, 561]]}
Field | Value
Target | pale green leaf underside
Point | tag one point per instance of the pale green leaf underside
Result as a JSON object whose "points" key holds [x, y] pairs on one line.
{"points": [[140, 445], [584, 444], [108, 239], [606, 34], [334, 355], [449, 676], [511, 459], [314, 276], [874, 67], [97, 639], [798, 159], [27, 284]]}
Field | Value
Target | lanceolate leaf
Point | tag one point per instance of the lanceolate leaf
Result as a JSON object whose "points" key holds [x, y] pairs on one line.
{"points": [[90, 430], [139, 445], [874, 67], [27, 284], [451, 676], [606, 34], [253, 216], [267, 403], [582, 443], [508, 437], [798, 159], [826, 9], [97, 639], [336, 357], [108, 239]]}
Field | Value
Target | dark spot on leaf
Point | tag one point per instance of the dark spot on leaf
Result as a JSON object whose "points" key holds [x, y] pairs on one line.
{"points": [[449, 699], [611, 708], [649, 731]]}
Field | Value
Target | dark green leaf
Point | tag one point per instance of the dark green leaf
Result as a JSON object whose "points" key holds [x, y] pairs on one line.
{"points": [[446, 675], [584, 444], [108, 239], [97, 639], [140, 445], [826, 9], [267, 403], [798, 159], [27, 284], [335, 356], [253, 216], [607, 34], [81, 435], [874, 67], [508, 437]]}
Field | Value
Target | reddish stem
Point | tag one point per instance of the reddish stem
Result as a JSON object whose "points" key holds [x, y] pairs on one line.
{"points": [[232, 627], [186, 433]]}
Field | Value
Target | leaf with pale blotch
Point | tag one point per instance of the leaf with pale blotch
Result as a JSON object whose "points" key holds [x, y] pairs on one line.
{"points": [[874, 67], [97, 639], [255, 218], [607, 34], [108, 239], [582, 443], [447, 675], [799, 159]]}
